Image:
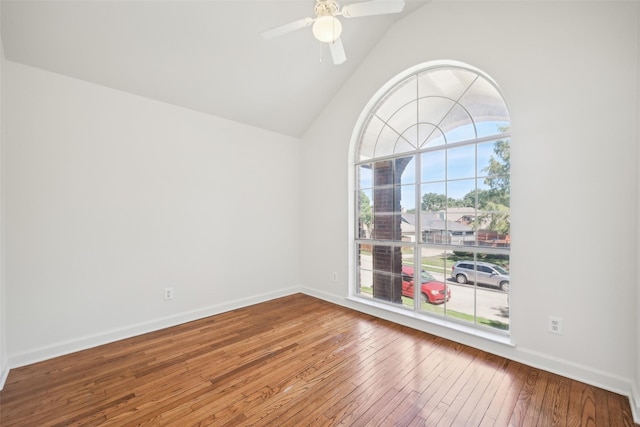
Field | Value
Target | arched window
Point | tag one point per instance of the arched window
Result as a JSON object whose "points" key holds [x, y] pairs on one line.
{"points": [[432, 196]]}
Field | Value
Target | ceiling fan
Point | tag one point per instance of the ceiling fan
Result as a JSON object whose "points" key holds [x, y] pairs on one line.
{"points": [[327, 27]]}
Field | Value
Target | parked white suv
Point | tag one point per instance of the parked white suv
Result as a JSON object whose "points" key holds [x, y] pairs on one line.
{"points": [[481, 272]]}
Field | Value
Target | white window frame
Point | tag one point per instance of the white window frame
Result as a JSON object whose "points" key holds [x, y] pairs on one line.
{"points": [[474, 328]]}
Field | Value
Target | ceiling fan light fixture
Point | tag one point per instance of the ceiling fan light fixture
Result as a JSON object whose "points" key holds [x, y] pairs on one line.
{"points": [[327, 29]]}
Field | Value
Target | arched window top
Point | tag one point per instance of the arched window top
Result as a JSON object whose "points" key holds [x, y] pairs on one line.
{"points": [[430, 106]]}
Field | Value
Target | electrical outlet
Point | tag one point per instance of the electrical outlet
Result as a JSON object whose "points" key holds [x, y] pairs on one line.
{"points": [[555, 325], [334, 277], [168, 294]]}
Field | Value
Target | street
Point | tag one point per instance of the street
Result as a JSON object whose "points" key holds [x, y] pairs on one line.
{"points": [[491, 304]]}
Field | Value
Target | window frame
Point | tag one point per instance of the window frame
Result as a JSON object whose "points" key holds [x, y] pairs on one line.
{"points": [[418, 244]]}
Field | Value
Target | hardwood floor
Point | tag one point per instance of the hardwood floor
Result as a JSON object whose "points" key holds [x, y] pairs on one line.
{"points": [[297, 361]]}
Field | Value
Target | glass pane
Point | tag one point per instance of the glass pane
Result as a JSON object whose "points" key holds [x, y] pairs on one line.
{"points": [[494, 201], [382, 226], [485, 104], [432, 110], [395, 99], [484, 195], [408, 290], [461, 162], [432, 226], [429, 135], [491, 195], [458, 191], [494, 158], [492, 280], [384, 198], [406, 169], [448, 82], [462, 305], [403, 145], [490, 127], [458, 126], [387, 273], [365, 176], [433, 197], [387, 226], [383, 173], [364, 276], [387, 142], [485, 154], [403, 122], [494, 223], [461, 213], [391, 199], [369, 138], [364, 214], [407, 198], [461, 226], [434, 290], [408, 226], [432, 164]]}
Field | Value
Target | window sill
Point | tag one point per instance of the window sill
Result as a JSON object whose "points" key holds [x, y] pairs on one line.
{"points": [[497, 337]]}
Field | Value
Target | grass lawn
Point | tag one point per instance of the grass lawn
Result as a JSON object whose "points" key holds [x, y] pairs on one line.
{"points": [[439, 309]]}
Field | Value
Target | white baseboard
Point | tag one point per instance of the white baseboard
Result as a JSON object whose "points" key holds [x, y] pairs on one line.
{"points": [[575, 371], [565, 368], [83, 343], [4, 373], [634, 400]]}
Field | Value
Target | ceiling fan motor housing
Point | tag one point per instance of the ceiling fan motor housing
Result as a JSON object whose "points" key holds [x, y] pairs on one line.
{"points": [[326, 8]]}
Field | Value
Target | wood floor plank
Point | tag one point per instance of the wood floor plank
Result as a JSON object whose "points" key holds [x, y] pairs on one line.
{"points": [[462, 408], [477, 415], [525, 397], [296, 361], [503, 404], [555, 401]]}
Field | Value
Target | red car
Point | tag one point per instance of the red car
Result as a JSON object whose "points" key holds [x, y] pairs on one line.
{"points": [[431, 290]]}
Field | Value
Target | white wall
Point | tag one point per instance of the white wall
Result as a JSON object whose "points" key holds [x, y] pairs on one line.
{"points": [[112, 197], [566, 69]]}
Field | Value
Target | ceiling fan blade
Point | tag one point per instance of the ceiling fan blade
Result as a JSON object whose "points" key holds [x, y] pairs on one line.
{"points": [[337, 52], [373, 7], [286, 28]]}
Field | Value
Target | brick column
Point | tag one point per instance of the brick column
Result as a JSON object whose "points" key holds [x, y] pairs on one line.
{"points": [[387, 260]]}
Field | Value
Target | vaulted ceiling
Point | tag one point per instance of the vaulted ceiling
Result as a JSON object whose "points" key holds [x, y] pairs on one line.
{"points": [[202, 55]]}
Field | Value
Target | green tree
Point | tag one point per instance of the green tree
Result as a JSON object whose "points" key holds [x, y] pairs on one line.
{"points": [[366, 210], [498, 217], [433, 202], [495, 202], [498, 170], [484, 197]]}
